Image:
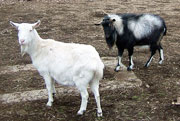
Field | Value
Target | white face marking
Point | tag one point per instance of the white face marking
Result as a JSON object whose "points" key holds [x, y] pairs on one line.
{"points": [[118, 23], [144, 26]]}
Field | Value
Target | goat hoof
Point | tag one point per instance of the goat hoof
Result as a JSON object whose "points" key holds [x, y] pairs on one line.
{"points": [[79, 113], [49, 104], [54, 94], [116, 70], [160, 62], [129, 69], [99, 114]]}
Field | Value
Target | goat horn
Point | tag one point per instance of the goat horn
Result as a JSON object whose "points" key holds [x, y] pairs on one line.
{"points": [[104, 12], [97, 24]]}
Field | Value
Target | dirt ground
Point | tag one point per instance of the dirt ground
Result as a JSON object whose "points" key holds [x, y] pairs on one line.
{"points": [[73, 21]]}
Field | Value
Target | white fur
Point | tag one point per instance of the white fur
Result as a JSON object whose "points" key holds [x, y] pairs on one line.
{"points": [[144, 26], [67, 63], [161, 56], [142, 47], [141, 28], [132, 63], [149, 61], [118, 24]]}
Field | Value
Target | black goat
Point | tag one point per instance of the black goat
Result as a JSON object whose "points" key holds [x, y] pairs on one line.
{"points": [[129, 30]]}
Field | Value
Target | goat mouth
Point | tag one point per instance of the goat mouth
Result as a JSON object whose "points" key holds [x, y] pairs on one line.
{"points": [[107, 35], [22, 44]]}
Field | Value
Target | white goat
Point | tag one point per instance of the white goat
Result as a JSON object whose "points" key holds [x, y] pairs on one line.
{"points": [[67, 63]]}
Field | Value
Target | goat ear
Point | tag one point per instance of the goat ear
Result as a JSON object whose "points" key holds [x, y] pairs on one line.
{"points": [[105, 13], [35, 25], [98, 24], [16, 25]]}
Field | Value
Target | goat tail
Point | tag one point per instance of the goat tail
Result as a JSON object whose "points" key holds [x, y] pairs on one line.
{"points": [[98, 75], [165, 29]]}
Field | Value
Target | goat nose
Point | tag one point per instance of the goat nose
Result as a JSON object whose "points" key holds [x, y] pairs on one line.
{"points": [[22, 40]]}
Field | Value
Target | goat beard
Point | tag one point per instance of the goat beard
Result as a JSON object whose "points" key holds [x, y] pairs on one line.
{"points": [[23, 50], [111, 39]]}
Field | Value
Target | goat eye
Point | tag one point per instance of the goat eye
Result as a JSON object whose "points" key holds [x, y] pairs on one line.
{"points": [[30, 30]]}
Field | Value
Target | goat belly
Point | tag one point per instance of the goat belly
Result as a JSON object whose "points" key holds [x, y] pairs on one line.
{"points": [[144, 41], [65, 82], [64, 79]]}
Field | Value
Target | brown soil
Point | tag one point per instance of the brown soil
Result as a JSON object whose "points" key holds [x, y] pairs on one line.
{"points": [[73, 21]]}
